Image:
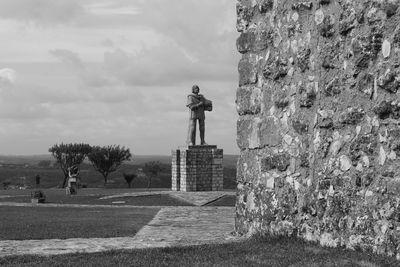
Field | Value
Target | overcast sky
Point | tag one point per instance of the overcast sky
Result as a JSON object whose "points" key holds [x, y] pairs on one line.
{"points": [[114, 72]]}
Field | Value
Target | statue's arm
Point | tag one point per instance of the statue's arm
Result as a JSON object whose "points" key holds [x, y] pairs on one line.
{"points": [[191, 103]]}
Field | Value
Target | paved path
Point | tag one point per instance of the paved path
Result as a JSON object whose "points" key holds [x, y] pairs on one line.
{"points": [[172, 226]]}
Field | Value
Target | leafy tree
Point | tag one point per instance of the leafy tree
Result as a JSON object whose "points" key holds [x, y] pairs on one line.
{"points": [[151, 169], [107, 159], [129, 177], [68, 155]]}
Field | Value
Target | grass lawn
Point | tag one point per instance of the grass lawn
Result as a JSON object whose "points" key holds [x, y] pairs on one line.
{"points": [[228, 201], [152, 200], [19, 223], [91, 196], [255, 252]]}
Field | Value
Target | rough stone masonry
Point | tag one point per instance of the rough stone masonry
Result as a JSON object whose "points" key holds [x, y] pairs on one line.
{"points": [[319, 121]]}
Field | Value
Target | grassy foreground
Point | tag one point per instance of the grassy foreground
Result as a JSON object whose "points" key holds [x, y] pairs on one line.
{"points": [[19, 223], [151, 200], [254, 252]]}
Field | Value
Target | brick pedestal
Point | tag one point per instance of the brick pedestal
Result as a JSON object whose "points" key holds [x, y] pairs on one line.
{"points": [[197, 168]]}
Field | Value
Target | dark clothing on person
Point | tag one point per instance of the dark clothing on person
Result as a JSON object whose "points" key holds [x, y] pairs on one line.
{"points": [[195, 103], [196, 109]]}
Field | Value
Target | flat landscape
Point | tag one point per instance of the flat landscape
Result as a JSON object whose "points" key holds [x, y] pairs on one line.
{"points": [[21, 172]]}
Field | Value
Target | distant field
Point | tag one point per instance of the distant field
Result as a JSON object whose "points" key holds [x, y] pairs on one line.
{"points": [[229, 160], [53, 177], [26, 170]]}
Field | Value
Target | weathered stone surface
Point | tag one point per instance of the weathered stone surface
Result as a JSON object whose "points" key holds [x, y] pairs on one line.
{"points": [[280, 162], [333, 87], [351, 116], [245, 12], [320, 159], [326, 28], [366, 84], [275, 69], [389, 81], [248, 70], [307, 95], [302, 5], [281, 100], [303, 59], [257, 132], [248, 100], [365, 48], [265, 5], [253, 41], [348, 20], [299, 126], [386, 110]]}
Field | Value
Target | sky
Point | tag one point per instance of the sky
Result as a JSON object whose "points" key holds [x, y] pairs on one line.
{"points": [[107, 72]]}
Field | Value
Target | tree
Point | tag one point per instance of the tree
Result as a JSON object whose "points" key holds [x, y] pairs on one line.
{"points": [[151, 169], [68, 155], [129, 177], [107, 159]]}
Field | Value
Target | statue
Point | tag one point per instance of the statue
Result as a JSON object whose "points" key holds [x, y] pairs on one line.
{"points": [[73, 173], [197, 104]]}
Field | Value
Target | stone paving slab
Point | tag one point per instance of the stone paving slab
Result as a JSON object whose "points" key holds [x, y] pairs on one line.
{"points": [[172, 226], [189, 226], [196, 198]]}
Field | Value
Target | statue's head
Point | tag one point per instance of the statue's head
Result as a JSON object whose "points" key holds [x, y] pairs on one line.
{"points": [[195, 89]]}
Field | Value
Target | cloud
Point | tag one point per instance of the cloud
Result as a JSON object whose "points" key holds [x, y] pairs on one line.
{"points": [[111, 8], [167, 64], [198, 26], [68, 57], [41, 11], [7, 76], [90, 74]]}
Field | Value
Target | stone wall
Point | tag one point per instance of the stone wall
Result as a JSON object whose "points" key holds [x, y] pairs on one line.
{"points": [[318, 126], [197, 168]]}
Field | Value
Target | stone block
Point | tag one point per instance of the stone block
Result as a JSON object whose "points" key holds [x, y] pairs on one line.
{"points": [[253, 41], [280, 162], [248, 70], [276, 69], [248, 100], [255, 132]]}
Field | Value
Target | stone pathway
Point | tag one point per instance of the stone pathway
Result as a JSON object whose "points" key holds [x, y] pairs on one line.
{"points": [[172, 226], [195, 198]]}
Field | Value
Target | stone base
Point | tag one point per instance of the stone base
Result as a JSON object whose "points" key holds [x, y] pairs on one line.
{"points": [[197, 168]]}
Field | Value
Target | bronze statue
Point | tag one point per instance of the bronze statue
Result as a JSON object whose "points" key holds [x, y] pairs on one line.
{"points": [[197, 103]]}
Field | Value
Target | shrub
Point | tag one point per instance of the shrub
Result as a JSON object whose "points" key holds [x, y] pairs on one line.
{"points": [[39, 195]]}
